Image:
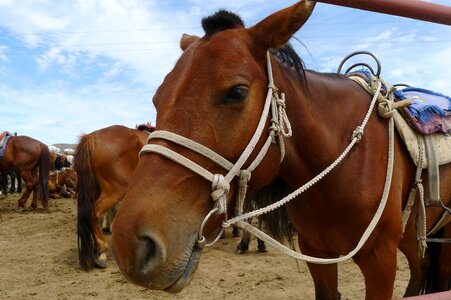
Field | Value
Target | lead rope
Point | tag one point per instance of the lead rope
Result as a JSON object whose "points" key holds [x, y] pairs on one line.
{"points": [[357, 135]]}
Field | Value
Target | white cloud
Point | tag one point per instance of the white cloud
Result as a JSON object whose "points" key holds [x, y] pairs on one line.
{"points": [[100, 61]]}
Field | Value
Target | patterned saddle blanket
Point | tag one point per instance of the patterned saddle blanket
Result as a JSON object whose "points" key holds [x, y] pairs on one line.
{"points": [[431, 117], [429, 112]]}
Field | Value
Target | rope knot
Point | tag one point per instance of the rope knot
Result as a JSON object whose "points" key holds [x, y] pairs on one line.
{"points": [[385, 108], [272, 86], [357, 133], [281, 102], [220, 187]]}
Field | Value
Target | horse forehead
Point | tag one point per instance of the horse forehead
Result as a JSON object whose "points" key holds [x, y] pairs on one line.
{"points": [[222, 46]]}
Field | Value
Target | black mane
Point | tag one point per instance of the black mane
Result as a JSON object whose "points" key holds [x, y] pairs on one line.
{"points": [[221, 20], [287, 56]]}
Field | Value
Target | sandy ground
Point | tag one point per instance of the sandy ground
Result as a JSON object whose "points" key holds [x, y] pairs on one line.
{"points": [[38, 260]]}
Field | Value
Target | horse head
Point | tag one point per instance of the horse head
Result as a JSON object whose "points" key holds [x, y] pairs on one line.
{"points": [[209, 108], [70, 178]]}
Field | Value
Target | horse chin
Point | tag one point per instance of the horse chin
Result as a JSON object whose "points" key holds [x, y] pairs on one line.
{"points": [[187, 275]]}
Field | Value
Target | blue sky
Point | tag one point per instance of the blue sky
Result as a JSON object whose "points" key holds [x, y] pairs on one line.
{"points": [[72, 67]]}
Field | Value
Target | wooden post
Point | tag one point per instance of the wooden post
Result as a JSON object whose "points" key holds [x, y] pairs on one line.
{"points": [[414, 9]]}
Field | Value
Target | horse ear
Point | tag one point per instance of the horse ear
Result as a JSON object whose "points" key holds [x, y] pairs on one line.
{"points": [[276, 30], [187, 40]]}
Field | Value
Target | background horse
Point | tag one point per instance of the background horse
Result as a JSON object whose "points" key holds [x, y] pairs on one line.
{"points": [[29, 157], [159, 231], [104, 162], [62, 183]]}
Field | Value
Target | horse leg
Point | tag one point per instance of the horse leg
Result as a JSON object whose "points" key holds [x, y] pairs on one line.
{"points": [[243, 246], [4, 183], [107, 220], [444, 272], [103, 204], [378, 265], [325, 277], [12, 176], [34, 203], [418, 266], [235, 231], [261, 244], [27, 177], [19, 182]]}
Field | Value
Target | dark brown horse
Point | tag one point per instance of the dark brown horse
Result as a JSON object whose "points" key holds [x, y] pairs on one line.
{"points": [[104, 162], [30, 158], [208, 109]]}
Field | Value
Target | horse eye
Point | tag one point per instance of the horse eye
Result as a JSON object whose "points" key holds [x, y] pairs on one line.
{"points": [[236, 94]]}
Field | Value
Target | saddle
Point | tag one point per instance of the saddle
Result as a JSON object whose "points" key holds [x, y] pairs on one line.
{"points": [[425, 127], [425, 123]]}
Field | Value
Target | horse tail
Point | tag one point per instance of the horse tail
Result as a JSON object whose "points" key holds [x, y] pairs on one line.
{"points": [[87, 193], [44, 175]]}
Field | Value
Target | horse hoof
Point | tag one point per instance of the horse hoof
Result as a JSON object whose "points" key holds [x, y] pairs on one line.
{"points": [[101, 264], [240, 249], [262, 249]]}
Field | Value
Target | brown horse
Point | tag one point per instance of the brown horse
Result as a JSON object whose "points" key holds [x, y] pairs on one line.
{"points": [[104, 162], [62, 183], [204, 124], [29, 157]]}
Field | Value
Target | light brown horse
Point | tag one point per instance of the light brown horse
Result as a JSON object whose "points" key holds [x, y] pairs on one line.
{"points": [[30, 158], [62, 183], [104, 162], [215, 96]]}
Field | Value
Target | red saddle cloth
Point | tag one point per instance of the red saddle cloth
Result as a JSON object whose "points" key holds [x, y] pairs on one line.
{"points": [[3, 135], [436, 123]]}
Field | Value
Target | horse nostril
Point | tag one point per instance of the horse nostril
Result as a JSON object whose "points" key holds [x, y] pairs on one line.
{"points": [[150, 254]]}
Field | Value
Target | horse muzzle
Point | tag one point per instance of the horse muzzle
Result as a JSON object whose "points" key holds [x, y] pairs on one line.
{"points": [[143, 261]]}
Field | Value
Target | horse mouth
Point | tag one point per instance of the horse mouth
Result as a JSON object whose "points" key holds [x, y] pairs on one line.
{"points": [[187, 275]]}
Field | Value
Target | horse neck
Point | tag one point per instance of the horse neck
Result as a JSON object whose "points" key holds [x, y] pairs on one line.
{"points": [[322, 119]]}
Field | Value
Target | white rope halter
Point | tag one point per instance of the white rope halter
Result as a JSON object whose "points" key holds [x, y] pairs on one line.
{"points": [[279, 127]]}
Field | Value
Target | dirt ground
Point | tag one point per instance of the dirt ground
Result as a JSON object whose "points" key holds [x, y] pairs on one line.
{"points": [[38, 260]]}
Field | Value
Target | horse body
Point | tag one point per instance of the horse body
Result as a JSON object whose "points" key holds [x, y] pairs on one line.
{"points": [[29, 158], [218, 110], [104, 162]]}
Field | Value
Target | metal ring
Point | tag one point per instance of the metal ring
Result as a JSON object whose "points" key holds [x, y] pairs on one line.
{"points": [[201, 239]]}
